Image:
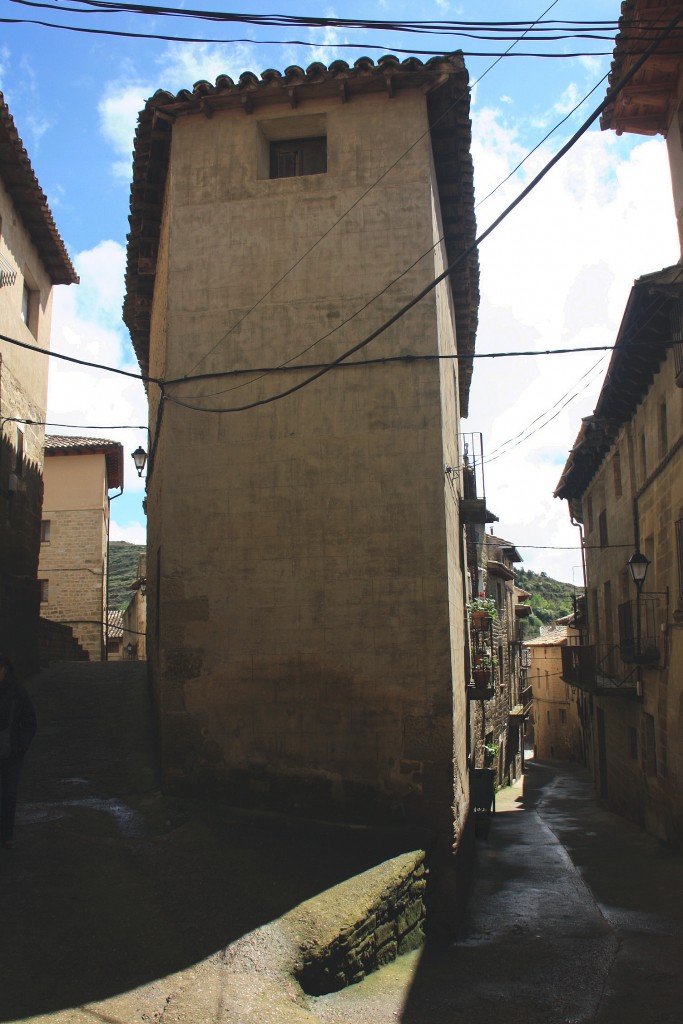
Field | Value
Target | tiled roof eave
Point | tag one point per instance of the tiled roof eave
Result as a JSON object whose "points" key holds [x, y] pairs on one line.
{"points": [[445, 81], [30, 201], [112, 451], [638, 354]]}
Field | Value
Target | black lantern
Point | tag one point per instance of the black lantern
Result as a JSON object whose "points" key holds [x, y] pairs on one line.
{"points": [[139, 457], [638, 564]]}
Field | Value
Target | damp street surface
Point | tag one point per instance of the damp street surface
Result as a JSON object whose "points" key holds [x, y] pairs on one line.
{"points": [[121, 905], [575, 917]]}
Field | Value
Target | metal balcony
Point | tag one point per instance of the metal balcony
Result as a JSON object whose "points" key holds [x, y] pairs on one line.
{"points": [[473, 500], [599, 669], [639, 641]]}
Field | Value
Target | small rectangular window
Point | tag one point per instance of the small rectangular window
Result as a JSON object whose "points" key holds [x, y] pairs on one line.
{"points": [[30, 302], [663, 431], [44, 591], [649, 748], [589, 513], [298, 157], [19, 459], [617, 475], [633, 743], [643, 456], [45, 531], [563, 716], [602, 529]]}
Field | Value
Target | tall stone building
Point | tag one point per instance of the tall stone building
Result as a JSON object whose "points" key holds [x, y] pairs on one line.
{"points": [[305, 560], [32, 259], [79, 473], [623, 482]]}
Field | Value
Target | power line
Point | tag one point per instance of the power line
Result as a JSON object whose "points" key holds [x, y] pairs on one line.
{"points": [[547, 417], [412, 51], [465, 253], [353, 205], [79, 362], [494, 30]]}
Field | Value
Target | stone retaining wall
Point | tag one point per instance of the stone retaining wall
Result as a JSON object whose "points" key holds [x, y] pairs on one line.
{"points": [[390, 923]]}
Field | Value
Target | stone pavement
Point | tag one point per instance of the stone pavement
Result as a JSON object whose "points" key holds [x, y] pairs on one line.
{"points": [[122, 906]]}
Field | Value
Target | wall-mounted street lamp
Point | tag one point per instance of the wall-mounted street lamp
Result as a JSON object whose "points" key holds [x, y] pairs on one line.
{"points": [[139, 457], [638, 564]]}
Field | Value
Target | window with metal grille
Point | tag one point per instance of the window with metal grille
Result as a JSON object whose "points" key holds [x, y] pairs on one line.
{"points": [[297, 157]]}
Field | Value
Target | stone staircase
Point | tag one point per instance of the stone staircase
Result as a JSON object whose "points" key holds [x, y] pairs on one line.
{"points": [[58, 643]]}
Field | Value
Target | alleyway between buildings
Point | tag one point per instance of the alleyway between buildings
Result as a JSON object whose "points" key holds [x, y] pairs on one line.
{"points": [[118, 904]]}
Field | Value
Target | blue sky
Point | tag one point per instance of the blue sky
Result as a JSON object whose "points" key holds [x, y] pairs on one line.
{"points": [[556, 273]]}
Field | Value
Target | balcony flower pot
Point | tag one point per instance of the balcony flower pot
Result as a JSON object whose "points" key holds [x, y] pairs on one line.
{"points": [[481, 677], [480, 619]]}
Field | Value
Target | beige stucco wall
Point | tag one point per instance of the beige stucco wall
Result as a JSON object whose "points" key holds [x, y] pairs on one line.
{"points": [[655, 799], [74, 560], [304, 557]]}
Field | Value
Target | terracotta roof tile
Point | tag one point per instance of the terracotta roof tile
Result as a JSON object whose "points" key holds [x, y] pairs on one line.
{"points": [[445, 81], [30, 200], [112, 450]]}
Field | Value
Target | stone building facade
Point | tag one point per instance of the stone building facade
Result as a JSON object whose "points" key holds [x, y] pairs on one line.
{"points": [[134, 640], [624, 484], [558, 708], [498, 715], [79, 472], [305, 559], [32, 260]]}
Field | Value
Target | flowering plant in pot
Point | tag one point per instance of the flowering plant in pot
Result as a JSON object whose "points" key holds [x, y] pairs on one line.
{"points": [[481, 670], [482, 610]]}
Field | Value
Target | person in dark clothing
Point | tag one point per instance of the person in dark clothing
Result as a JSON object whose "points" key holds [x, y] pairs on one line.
{"points": [[17, 729]]}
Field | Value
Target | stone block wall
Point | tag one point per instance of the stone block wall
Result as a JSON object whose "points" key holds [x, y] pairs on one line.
{"points": [[73, 563], [390, 925]]}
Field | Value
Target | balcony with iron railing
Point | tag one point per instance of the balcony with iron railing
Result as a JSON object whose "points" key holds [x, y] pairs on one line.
{"points": [[473, 501], [598, 669], [608, 669]]}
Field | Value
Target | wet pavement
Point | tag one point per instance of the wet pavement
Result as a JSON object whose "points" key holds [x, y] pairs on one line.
{"points": [[118, 904]]}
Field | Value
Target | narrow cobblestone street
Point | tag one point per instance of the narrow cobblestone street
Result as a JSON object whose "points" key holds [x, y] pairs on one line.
{"points": [[118, 903]]}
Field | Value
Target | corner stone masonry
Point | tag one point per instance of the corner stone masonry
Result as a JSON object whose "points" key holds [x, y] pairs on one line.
{"points": [[391, 924]]}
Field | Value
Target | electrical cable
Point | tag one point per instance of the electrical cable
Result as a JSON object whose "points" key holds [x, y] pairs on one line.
{"points": [[468, 250], [544, 139], [484, 30], [395, 280], [547, 417], [412, 51], [349, 209], [79, 362]]}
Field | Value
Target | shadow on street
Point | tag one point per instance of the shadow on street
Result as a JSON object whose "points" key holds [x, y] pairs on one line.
{"points": [[111, 885]]}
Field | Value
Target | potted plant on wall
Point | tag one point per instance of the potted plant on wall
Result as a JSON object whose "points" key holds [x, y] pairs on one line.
{"points": [[482, 612], [482, 669], [490, 753]]}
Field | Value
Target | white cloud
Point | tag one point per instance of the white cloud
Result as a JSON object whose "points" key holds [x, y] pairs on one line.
{"points": [[86, 324], [556, 273], [133, 533], [567, 100], [183, 64], [118, 117]]}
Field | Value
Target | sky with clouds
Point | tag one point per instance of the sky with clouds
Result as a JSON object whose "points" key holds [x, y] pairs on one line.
{"points": [[556, 273]]}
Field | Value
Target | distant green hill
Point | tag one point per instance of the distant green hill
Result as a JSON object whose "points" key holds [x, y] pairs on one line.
{"points": [[550, 599], [123, 570]]}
